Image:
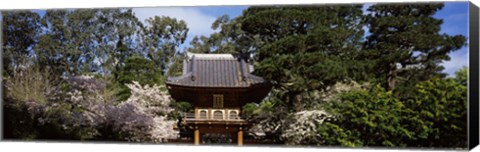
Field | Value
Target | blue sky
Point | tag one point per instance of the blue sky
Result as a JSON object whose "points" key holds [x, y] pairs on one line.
{"points": [[199, 21], [455, 21]]}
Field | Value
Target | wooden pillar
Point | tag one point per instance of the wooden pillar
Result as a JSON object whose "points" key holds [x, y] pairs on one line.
{"points": [[240, 136], [196, 137]]}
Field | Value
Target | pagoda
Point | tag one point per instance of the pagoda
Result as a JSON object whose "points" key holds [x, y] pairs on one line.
{"points": [[218, 86]]}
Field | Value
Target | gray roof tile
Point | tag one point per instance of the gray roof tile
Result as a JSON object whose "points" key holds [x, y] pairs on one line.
{"points": [[216, 70]]}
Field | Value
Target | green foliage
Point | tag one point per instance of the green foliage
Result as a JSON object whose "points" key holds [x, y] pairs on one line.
{"points": [[366, 118], [176, 69], [32, 80], [179, 108], [163, 36], [406, 42], [305, 48], [434, 117], [439, 113], [74, 42], [66, 45], [461, 76], [139, 69], [183, 107], [269, 116], [117, 33], [249, 110], [230, 38], [20, 30]]}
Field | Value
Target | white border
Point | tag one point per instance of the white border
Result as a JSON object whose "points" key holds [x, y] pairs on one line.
{"points": [[75, 146], [48, 4]]}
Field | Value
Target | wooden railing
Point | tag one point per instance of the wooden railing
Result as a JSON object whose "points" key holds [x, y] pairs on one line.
{"points": [[192, 116]]}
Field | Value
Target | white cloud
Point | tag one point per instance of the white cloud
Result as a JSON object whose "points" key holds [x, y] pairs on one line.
{"points": [[458, 59], [198, 23]]}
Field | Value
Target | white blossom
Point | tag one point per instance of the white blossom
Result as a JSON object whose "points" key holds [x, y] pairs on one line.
{"points": [[142, 117], [304, 127], [142, 110]]}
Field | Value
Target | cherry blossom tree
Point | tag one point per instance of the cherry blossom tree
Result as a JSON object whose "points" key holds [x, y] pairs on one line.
{"points": [[141, 118]]}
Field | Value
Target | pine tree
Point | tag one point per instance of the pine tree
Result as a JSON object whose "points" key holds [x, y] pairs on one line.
{"points": [[305, 48], [406, 42]]}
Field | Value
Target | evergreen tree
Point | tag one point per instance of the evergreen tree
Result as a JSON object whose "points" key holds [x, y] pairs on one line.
{"points": [[305, 48], [406, 42]]}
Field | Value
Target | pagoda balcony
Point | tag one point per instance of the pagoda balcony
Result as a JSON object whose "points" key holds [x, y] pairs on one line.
{"points": [[194, 117]]}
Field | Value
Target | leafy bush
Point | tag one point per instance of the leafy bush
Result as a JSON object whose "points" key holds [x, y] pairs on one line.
{"points": [[249, 110], [435, 116], [365, 118], [438, 113]]}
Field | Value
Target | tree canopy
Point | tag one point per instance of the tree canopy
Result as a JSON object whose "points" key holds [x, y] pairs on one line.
{"points": [[406, 40], [304, 48]]}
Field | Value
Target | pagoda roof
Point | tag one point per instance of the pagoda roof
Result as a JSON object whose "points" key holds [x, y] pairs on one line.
{"points": [[216, 71]]}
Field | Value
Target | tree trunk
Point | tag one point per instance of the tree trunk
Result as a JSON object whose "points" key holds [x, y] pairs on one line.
{"points": [[391, 76]]}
